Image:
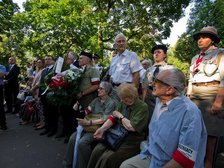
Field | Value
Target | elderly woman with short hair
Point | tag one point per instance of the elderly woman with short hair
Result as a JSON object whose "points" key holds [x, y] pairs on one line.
{"points": [[133, 114], [103, 105]]}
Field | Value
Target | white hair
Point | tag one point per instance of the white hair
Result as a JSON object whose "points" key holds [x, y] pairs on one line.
{"points": [[72, 55], [107, 86], [147, 61], [120, 35]]}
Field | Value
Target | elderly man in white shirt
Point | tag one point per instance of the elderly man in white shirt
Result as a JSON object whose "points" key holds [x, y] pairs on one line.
{"points": [[125, 66]]}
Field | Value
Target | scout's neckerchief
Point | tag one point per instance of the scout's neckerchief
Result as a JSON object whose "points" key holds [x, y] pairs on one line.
{"points": [[197, 63]]}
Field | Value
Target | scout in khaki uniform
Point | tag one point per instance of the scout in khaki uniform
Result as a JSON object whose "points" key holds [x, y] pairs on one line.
{"points": [[206, 86]]}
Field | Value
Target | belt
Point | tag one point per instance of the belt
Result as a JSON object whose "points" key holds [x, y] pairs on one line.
{"points": [[206, 83], [116, 84]]}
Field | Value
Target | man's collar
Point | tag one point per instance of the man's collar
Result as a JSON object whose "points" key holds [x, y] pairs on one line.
{"points": [[159, 63], [174, 102], [49, 67], [124, 53]]}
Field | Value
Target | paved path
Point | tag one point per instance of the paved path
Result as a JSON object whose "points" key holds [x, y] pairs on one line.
{"points": [[22, 147]]}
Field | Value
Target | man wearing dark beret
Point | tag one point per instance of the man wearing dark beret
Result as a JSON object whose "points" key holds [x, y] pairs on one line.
{"points": [[159, 46], [90, 81]]}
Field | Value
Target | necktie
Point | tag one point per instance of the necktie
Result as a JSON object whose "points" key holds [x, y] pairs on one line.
{"points": [[198, 61], [47, 70], [155, 73]]}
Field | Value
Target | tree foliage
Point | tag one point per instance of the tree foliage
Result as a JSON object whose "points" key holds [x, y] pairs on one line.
{"points": [[7, 11], [56, 26], [204, 13]]}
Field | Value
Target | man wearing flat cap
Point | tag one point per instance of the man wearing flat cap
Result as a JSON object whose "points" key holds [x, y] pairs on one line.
{"points": [[159, 54], [177, 134], [90, 80], [206, 86]]}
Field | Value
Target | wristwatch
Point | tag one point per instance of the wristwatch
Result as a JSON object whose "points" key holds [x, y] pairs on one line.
{"points": [[121, 118]]}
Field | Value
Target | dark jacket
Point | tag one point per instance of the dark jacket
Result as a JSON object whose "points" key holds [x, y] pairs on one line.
{"points": [[12, 75]]}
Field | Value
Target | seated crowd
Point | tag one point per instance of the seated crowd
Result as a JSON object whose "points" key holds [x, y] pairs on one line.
{"points": [[164, 127]]}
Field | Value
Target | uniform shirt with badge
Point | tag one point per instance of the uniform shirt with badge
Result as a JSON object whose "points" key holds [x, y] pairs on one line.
{"points": [[208, 69], [90, 77], [150, 73]]}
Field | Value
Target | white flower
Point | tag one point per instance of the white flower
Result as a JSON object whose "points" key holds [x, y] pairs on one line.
{"points": [[72, 74]]}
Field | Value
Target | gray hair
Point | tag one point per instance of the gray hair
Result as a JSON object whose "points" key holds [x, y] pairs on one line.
{"points": [[120, 35], [175, 78], [106, 86], [127, 90], [147, 61], [72, 55]]}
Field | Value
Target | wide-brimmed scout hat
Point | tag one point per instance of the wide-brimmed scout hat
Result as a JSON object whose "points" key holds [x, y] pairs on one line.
{"points": [[210, 31]]}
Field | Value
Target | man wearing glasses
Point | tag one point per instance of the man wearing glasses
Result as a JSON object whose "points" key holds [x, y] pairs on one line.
{"points": [[177, 134]]}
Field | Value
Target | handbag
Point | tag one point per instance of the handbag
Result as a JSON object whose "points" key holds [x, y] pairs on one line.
{"points": [[92, 128], [115, 136], [30, 109], [21, 95]]}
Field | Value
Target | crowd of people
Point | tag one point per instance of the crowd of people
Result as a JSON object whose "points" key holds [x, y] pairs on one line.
{"points": [[167, 124]]}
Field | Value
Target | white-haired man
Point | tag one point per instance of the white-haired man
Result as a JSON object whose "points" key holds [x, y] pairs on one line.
{"points": [[72, 60], [125, 66], [177, 134]]}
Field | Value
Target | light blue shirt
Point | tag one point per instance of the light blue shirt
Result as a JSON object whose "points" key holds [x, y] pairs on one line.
{"points": [[2, 70], [179, 127], [123, 66]]}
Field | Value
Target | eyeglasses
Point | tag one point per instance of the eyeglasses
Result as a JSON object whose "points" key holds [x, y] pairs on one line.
{"points": [[100, 88]]}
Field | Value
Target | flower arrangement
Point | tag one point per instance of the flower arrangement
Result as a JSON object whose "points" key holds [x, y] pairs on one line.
{"points": [[63, 87]]}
